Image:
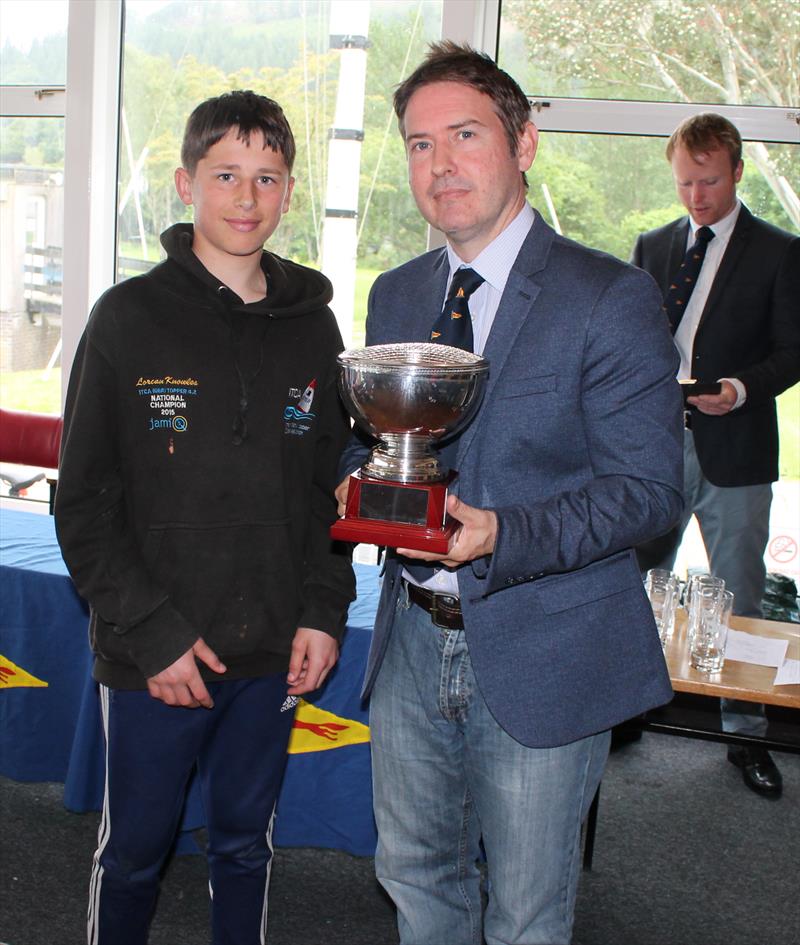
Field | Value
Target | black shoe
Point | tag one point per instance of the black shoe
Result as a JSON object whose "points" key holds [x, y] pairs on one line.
{"points": [[759, 771]]}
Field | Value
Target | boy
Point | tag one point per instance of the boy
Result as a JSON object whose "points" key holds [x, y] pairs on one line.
{"points": [[201, 440]]}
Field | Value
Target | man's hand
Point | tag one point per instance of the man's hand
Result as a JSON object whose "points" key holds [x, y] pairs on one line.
{"points": [[475, 538], [341, 496], [715, 404], [181, 684], [314, 655]]}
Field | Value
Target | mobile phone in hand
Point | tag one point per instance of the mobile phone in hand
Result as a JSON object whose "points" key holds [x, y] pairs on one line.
{"points": [[693, 388]]}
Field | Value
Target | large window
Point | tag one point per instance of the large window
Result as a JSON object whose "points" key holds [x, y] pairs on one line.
{"points": [[32, 71], [650, 64], [610, 79], [332, 65]]}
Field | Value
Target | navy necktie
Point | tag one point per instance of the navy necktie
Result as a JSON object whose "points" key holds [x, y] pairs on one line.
{"points": [[684, 280], [454, 325]]}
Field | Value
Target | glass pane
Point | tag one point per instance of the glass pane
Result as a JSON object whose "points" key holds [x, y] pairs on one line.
{"points": [[604, 190], [33, 42], [180, 53], [31, 230], [719, 51]]}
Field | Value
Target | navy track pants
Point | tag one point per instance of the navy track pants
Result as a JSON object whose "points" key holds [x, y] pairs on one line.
{"points": [[239, 748]]}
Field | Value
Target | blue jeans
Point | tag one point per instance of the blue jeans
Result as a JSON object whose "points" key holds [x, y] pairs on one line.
{"points": [[446, 776]]}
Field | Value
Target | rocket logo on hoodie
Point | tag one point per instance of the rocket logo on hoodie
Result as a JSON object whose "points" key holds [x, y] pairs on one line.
{"points": [[297, 419]]}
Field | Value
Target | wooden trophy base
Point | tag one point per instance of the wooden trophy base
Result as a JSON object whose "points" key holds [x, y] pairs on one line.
{"points": [[396, 514]]}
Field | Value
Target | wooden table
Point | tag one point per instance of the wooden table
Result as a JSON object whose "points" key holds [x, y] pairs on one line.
{"points": [[694, 711], [736, 680]]}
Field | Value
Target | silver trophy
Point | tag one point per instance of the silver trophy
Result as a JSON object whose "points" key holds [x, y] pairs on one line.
{"points": [[408, 396]]}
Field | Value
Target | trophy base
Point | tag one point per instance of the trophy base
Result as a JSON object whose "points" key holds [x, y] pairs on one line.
{"points": [[396, 514]]}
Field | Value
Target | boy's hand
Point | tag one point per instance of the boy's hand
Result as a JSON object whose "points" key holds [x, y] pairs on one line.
{"points": [[314, 655], [341, 495], [181, 683]]}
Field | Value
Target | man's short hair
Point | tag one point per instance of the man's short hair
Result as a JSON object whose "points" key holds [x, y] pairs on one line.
{"points": [[707, 132], [244, 110], [450, 62]]}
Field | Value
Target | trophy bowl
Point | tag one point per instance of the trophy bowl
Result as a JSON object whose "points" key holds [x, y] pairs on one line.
{"points": [[408, 396]]}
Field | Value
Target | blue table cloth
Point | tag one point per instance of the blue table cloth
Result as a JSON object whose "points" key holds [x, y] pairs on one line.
{"points": [[50, 724]]}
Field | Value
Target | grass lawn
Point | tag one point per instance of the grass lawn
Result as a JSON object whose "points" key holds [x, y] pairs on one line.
{"points": [[789, 426], [364, 280], [37, 391]]}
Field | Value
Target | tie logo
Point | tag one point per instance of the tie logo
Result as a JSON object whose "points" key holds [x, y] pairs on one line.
{"points": [[683, 283], [454, 326]]}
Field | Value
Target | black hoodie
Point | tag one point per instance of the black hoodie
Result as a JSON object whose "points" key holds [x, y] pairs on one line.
{"points": [[199, 458]]}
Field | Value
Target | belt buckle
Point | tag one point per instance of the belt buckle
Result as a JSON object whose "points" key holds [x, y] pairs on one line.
{"points": [[435, 608]]}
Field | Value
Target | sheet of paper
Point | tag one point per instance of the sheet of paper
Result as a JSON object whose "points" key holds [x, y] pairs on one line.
{"points": [[748, 648], [788, 674]]}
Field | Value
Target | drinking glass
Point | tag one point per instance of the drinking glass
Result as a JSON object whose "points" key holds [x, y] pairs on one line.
{"points": [[662, 590], [696, 583], [711, 634]]}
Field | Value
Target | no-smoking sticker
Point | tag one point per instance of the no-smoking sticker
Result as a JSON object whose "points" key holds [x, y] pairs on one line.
{"points": [[783, 549]]}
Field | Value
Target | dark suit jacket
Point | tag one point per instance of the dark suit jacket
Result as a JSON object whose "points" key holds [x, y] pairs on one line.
{"points": [[578, 448], [749, 329]]}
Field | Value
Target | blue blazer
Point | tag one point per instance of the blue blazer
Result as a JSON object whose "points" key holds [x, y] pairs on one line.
{"points": [[578, 448]]}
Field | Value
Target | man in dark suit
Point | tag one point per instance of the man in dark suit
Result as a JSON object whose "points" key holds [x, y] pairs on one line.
{"points": [[497, 669], [739, 325]]}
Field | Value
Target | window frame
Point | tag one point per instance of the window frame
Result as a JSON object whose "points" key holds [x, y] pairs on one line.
{"points": [[94, 33]]}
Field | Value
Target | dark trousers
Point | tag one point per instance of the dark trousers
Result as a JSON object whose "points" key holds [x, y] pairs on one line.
{"points": [[239, 748]]}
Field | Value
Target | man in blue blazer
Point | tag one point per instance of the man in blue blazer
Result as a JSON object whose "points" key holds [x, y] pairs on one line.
{"points": [[741, 328], [497, 670]]}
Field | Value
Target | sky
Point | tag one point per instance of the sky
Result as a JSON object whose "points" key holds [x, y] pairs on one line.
{"points": [[22, 21]]}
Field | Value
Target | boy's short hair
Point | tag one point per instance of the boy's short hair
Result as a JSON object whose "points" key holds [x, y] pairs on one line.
{"points": [[707, 132], [452, 62], [245, 110]]}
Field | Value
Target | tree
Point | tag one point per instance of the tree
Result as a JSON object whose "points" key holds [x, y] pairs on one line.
{"points": [[715, 51], [390, 227], [160, 92]]}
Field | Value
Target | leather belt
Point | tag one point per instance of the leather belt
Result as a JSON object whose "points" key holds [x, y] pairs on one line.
{"points": [[445, 610]]}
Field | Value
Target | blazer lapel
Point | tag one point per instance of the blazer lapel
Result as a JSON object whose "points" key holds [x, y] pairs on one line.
{"points": [[516, 305], [424, 300], [677, 250]]}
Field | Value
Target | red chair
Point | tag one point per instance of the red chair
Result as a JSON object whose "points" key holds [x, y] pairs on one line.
{"points": [[30, 439]]}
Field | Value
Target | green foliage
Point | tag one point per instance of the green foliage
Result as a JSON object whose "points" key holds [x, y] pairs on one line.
{"points": [[605, 189], [391, 229], [714, 51], [711, 51], [45, 63], [36, 142], [302, 76]]}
